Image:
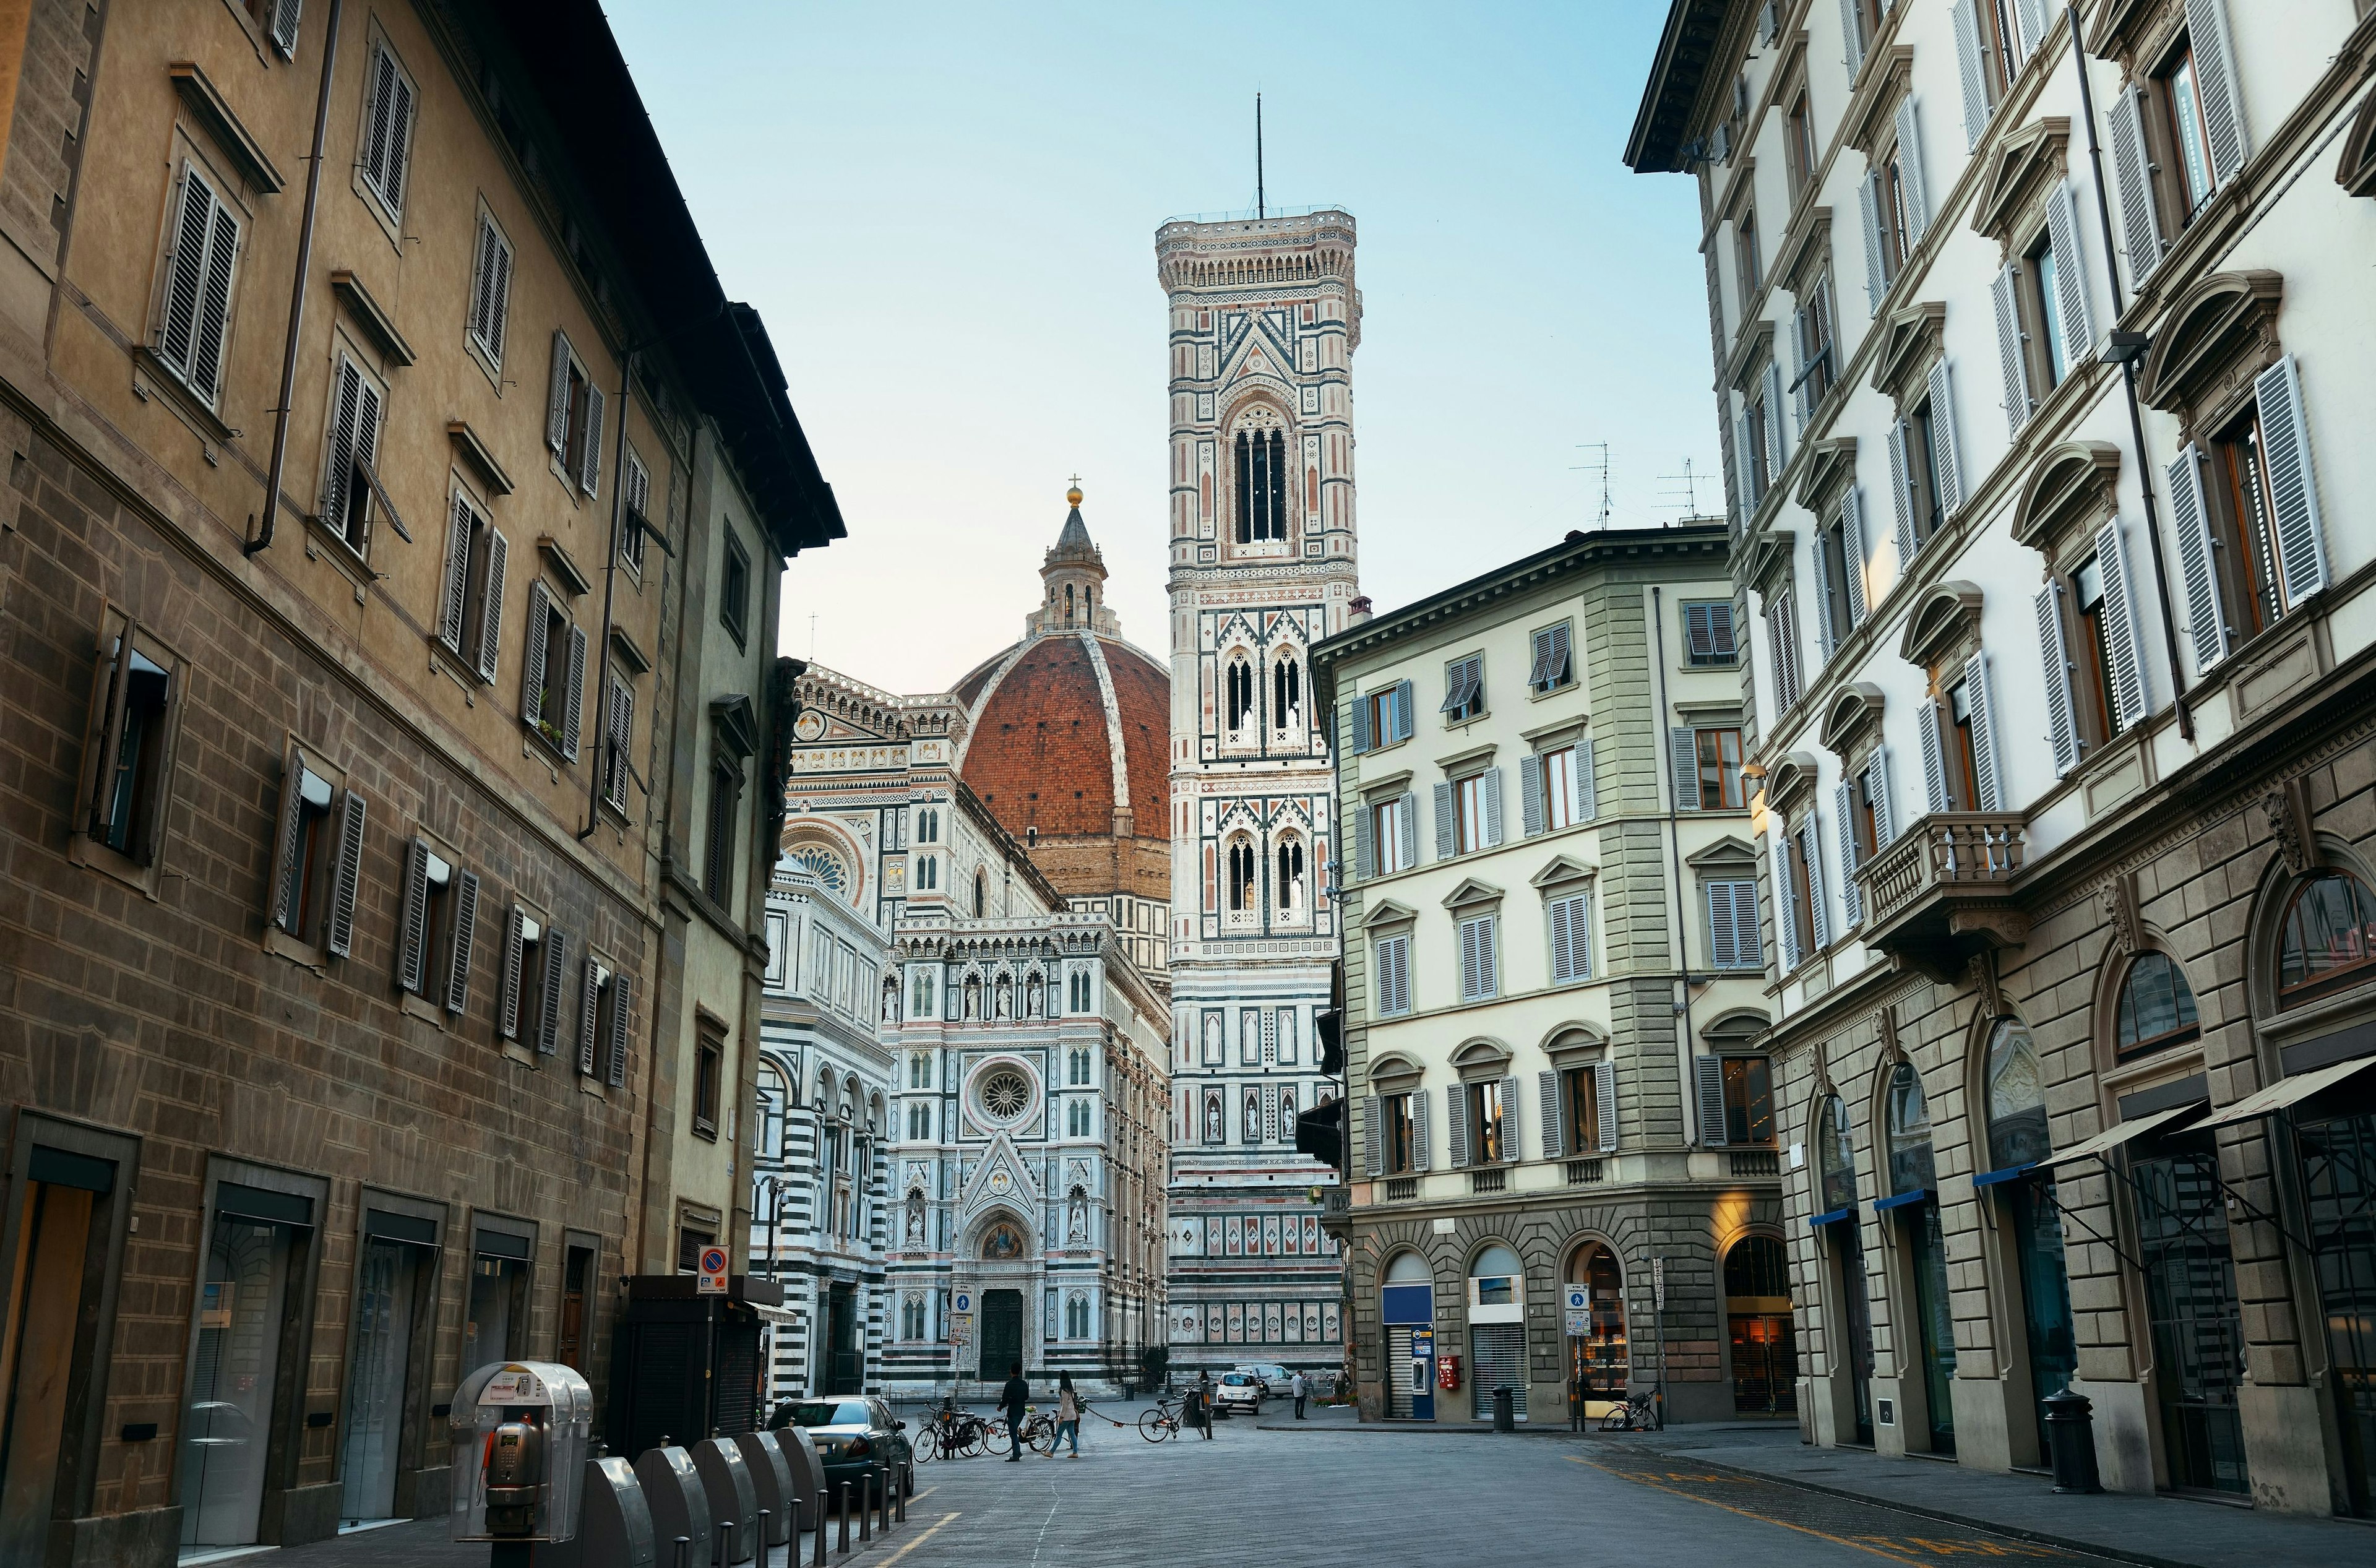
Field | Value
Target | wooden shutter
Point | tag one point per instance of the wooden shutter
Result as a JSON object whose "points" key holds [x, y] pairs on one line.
{"points": [[1447, 824], [589, 1002], [2055, 653], [2206, 619], [1774, 451], [1944, 455], [1365, 842], [1843, 805], [455, 604], [1468, 961], [622, 738], [1723, 927], [1901, 496], [1877, 785], [574, 700], [1970, 67], [1531, 792], [1876, 276], [623, 1015], [1851, 38], [1984, 756], [2034, 25], [491, 606], [185, 273], [285, 842], [552, 966], [2010, 358], [1406, 832], [507, 977], [412, 929], [466, 930], [1707, 1095], [1422, 1152], [284, 27], [2126, 663], [491, 292], [1552, 1106], [1819, 913], [1489, 953], [535, 652], [1909, 167], [1683, 752], [1562, 940], [556, 408], [1785, 920], [1827, 634], [1934, 772], [1604, 1101], [1373, 1153], [1746, 476], [1510, 1119], [2217, 86], [1402, 710], [2293, 486], [388, 129], [1853, 550], [1588, 788], [346, 876], [1455, 1107], [2070, 274], [1490, 790], [339, 462], [1361, 721], [589, 467], [2140, 222]]}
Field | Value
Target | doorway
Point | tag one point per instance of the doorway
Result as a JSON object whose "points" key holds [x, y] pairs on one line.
{"points": [[1926, 1257], [54, 1273], [2190, 1303], [577, 1278], [399, 1259], [1757, 1312], [1599, 1367], [844, 1370], [1002, 1332], [248, 1312], [1855, 1311], [2339, 1168]]}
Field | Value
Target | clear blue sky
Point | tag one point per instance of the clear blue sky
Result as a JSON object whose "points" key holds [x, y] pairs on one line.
{"points": [[946, 214]]}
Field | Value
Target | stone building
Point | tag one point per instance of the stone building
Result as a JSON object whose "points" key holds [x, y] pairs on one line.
{"points": [[2051, 544], [343, 565], [1557, 1091], [1264, 318]]}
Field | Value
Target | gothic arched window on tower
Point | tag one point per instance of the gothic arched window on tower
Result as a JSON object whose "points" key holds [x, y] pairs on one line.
{"points": [[1291, 876], [1241, 876], [1286, 693], [1241, 692], [1262, 486]]}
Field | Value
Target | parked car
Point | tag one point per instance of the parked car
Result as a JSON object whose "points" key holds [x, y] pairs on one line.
{"points": [[854, 1439], [1238, 1390], [1273, 1377]]}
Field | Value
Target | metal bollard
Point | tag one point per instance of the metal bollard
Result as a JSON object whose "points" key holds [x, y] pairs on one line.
{"points": [[2071, 1432], [844, 1514], [903, 1498], [816, 1558], [866, 1507], [726, 1540], [883, 1509], [683, 1552], [760, 1556]]}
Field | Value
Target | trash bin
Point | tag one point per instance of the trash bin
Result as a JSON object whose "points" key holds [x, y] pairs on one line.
{"points": [[2071, 1434], [1505, 1412]]}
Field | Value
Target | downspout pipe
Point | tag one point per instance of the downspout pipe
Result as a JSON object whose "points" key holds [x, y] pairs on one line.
{"points": [[297, 291], [2125, 349]]}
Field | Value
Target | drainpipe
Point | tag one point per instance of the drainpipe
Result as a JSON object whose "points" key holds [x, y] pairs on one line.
{"points": [[297, 288], [1675, 854], [2125, 349]]}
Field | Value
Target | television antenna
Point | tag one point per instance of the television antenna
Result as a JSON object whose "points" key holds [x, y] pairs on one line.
{"points": [[1600, 467], [1690, 481]]}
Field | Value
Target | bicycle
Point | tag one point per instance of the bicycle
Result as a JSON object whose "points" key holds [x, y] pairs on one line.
{"points": [[1638, 1413], [998, 1436], [1162, 1422]]}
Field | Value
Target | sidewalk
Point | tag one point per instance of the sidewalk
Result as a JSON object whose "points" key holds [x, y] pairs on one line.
{"points": [[2159, 1532]]}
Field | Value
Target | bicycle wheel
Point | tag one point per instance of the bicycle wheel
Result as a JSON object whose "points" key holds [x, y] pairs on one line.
{"points": [[998, 1438], [1041, 1435], [1150, 1425], [972, 1442], [927, 1445]]}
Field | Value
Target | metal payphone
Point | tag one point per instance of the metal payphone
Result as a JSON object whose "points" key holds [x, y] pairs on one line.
{"points": [[519, 1438]]}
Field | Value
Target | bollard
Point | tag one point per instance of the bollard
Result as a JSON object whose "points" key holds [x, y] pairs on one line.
{"points": [[866, 1507], [816, 1558], [883, 1509], [726, 1540], [765, 1517], [903, 1498], [2071, 1432], [683, 1552], [843, 1512]]}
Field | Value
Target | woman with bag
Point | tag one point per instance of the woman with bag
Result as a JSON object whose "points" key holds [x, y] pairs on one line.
{"points": [[1068, 1415]]}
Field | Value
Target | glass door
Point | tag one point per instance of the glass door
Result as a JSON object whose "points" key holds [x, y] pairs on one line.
{"points": [[2191, 1301], [1926, 1257], [236, 1375], [2338, 1166], [1856, 1310], [496, 1328], [377, 1361], [2045, 1295]]}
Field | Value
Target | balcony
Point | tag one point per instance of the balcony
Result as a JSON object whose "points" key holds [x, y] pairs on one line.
{"points": [[1401, 1189], [1489, 1180], [1943, 892], [1747, 1163]]}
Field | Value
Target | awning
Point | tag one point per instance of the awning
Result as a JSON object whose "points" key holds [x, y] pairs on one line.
{"points": [[1902, 1200], [770, 1314], [2112, 1137], [1830, 1216], [2286, 1091]]}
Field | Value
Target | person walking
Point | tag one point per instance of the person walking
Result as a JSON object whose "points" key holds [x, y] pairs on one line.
{"points": [[1299, 1389], [1068, 1415], [1015, 1399], [1203, 1394]]}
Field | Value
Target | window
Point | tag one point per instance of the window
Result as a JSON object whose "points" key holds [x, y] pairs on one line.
{"points": [[1707, 768], [1811, 324], [552, 673], [386, 141], [279, 20], [2249, 541], [1707, 634], [1262, 486], [928, 873], [921, 990], [1286, 694], [1472, 799], [911, 1316], [1797, 898], [1567, 784], [2048, 344], [2155, 1008], [2181, 96], [1291, 877], [491, 292], [735, 589], [605, 1022], [1240, 677], [1991, 43], [2043, 327], [1553, 666], [1390, 992], [689, 1241], [1581, 1104], [134, 718], [573, 419], [1759, 445], [2328, 941], [470, 609], [1242, 891], [1383, 718], [1925, 481], [1835, 566], [317, 859], [1398, 1135], [195, 320], [1392, 845], [349, 472], [724, 814], [1077, 1316], [1479, 962], [1746, 260], [1076, 986], [1076, 1119], [638, 521], [1487, 1143], [1799, 143], [535, 960], [1732, 937], [439, 921], [618, 764], [1748, 1099], [1569, 919], [919, 1122], [1464, 689], [708, 1077]]}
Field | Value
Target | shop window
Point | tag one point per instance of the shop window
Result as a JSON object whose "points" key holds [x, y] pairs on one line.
{"points": [[2328, 941], [1757, 1309], [2156, 1009]]}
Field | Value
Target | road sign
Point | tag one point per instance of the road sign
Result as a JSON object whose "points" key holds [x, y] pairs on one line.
{"points": [[1659, 1283], [961, 1303], [961, 1328], [1579, 1311], [713, 1272]]}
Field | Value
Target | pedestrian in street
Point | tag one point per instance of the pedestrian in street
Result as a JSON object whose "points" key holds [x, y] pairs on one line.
{"points": [[1068, 1415], [1015, 1399], [1203, 1394], [1299, 1389]]}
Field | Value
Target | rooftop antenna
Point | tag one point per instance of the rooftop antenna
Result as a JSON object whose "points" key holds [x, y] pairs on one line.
{"points": [[1601, 448], [1691, 483], [811, 636], [1262, 207]]}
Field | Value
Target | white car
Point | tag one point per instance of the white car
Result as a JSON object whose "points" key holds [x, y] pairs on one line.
{"points": [[1273, 1377], [1238, 1390]]}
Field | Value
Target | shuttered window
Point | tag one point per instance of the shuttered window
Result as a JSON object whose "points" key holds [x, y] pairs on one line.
{"points": [[1553, 664], [470, 604], [283, 25], [1392, 976], [1732, 924], [638, 520], [1570, 937], [1708, 633], [1480, 959], [1782, 638], [318, 859], [1464, 688], [196, 320], [437, 927], [490, 291], [350, 460], [386, 144], [618, 767]]}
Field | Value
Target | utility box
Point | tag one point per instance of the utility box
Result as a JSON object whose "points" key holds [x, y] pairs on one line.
{"points": [[614, 1525], [733, 1499], [520, 1437], [686, 1365], [771, 1475], [679, 1503]]}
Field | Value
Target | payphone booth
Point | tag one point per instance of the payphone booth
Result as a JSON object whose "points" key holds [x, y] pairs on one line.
{"points": [[520, 1431]]}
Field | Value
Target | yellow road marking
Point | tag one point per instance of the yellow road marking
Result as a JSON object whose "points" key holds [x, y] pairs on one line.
{"points": [[1762, 1518], [923, 1494], [921, 1539]]}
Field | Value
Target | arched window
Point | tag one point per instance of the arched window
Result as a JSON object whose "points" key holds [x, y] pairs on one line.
{"points": [[1076, 1315], [1291, 876], [1835, 1157], [1068, 604], [1262, 486], [1242, 692], [981, 893], [2017, 1133], [773, 1097], [1910, 1166], [1241, 875], [2328, 942], [1757, 1266], [2155, 1010], [1286, 693]]}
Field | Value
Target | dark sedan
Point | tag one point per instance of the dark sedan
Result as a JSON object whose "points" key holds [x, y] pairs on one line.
{"points": [[855, 1439]]}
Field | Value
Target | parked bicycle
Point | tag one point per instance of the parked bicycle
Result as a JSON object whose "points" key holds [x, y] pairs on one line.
{"points": [[951, 1433], [1162, 1422], [1638, 1413], [1039, 1433]]}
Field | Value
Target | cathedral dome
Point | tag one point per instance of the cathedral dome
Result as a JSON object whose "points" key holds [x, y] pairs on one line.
{"points": [[1069, 736]]}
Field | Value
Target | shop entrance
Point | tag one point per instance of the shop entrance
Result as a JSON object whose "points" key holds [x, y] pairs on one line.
{"points": [[1598, 1367], [58, 1261], [2338, 1167], [1914, 1198], [247, 1329], [1407, 1307], [1844, 1241], [2018, 1145], [388, 1291], [1757, 1308], [2190, 1303]]}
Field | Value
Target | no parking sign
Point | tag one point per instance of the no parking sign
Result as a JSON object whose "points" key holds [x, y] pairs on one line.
{"points": [[713, 1272]]}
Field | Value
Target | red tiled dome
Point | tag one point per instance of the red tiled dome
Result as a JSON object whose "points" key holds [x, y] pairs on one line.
{"points": [[1042, 747]]}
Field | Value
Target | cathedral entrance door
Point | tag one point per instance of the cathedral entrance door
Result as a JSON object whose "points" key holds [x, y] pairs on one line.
{"points": [[1002, 1332], [845, 1362]]}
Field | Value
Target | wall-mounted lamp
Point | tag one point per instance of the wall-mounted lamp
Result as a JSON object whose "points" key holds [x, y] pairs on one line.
{"points": [[2124, 348]]}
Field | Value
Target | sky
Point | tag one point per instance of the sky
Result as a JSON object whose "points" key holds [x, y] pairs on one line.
{"points": [[946, 216]]}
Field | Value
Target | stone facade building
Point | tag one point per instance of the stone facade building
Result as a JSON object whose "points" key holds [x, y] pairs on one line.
{"points": [[2042, 361], [1264, 318], [334, 939], [1558, 1093]]}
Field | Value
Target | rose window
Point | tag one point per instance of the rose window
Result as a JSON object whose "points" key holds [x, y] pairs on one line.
{"points": [[1005, 1095]]}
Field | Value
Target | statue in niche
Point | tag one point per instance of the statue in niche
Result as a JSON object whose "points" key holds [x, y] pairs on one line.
{"points": [[1213, 1119], [916, 1221], [973, 996], [1006, 996], [1076, 1229], [1033, 997], [891, 1002]]}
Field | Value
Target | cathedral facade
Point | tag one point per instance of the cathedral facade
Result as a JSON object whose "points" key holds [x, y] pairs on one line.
{"points": [[1264, 318]]}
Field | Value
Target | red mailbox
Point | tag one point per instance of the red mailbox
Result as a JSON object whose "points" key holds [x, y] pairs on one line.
{"points": [[1447, 1372]]}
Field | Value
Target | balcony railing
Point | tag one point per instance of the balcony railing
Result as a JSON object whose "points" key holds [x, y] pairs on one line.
{"points": [[1943, 890], [1488, 1180], [1401, 1189], [1583, 1173], [1753, 1163]]}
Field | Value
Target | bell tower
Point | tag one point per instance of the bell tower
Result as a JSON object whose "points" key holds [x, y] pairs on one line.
{"points": [[1264, 317]]}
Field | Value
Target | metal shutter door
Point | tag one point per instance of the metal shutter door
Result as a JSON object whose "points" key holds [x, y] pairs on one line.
{"points": [[1497, 1354], [1398, 1373]]}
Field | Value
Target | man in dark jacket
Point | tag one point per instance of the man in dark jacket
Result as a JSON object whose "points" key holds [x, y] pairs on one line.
{"points": [[1013, 1399]]}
